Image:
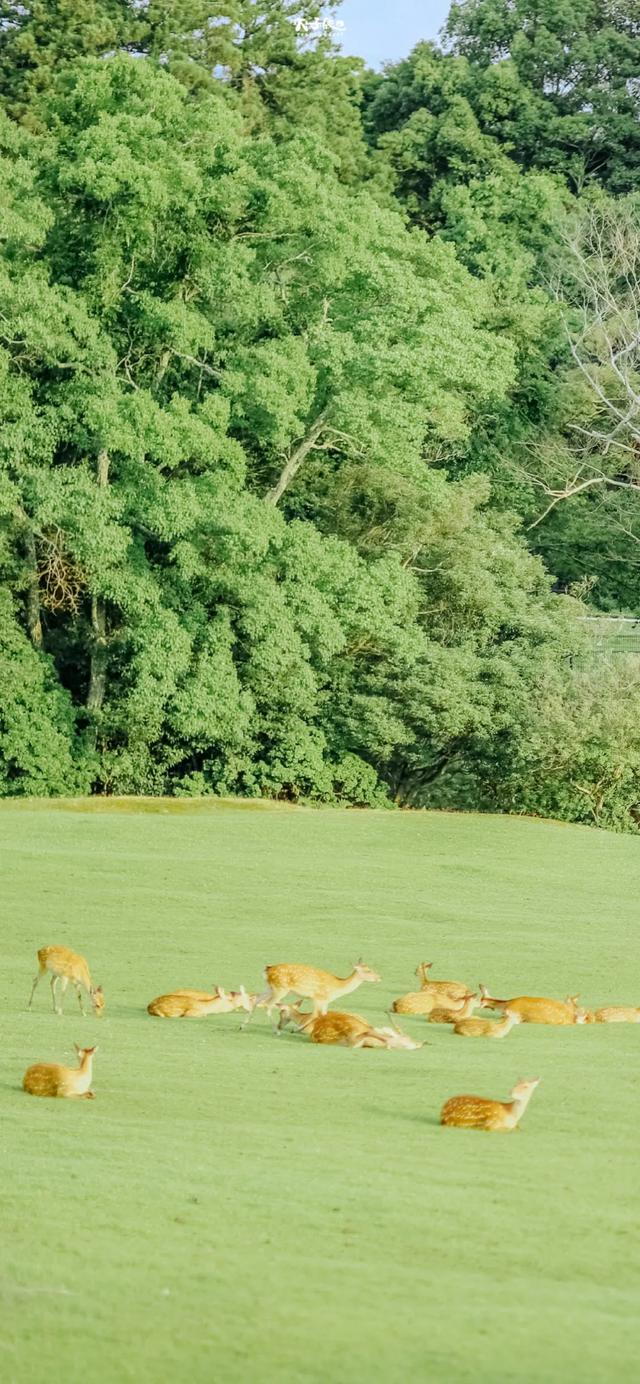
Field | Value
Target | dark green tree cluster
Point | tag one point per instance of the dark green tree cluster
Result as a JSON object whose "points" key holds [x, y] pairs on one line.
{"points": [[275, 343]]}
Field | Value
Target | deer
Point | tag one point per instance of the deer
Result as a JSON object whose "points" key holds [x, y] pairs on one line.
{"points": [[343, 1029], [582, 1016], [456, 988], [239, 999], [65, 965], [427, 1002], [487, 1028], [50, 1079], [536, 1009], [617, 1014], [192, 1004], [393, 1037], [292, 1016], [310, 983], [453, 1015], [476, 1112]]}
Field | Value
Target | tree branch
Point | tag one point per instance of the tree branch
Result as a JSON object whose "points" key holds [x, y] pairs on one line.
{"points": [[295, 460]]}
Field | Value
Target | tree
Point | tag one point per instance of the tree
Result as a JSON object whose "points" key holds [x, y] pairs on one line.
{"points": [[232, 558], [276, 60], [148, 400], [556, 83], [39, 753], [38, 38]]}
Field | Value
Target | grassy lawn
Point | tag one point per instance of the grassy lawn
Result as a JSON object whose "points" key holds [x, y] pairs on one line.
{"points": [[238, 1207]]}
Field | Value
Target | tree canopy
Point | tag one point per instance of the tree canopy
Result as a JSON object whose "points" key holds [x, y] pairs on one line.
{"points": [[293, 360]]}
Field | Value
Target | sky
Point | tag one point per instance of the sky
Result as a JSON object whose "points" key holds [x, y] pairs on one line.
{"points": [[385, 30]]}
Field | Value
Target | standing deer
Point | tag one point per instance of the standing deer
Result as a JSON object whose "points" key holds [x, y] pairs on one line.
{"points": [[50, 1079], [536, 1009], [476, 1112], [310, 983], [65, 965]]}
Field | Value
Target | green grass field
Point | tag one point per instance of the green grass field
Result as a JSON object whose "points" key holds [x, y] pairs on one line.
{"points": [[238, 1207]]}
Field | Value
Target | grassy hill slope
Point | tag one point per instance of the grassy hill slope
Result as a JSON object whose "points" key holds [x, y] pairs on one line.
{"points": [[234, 1206]]}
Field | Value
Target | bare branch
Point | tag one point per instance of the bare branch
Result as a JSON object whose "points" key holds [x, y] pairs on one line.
{"points": [[295, 460]]}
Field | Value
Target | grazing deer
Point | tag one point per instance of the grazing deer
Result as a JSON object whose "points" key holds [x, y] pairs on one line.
{"points": [[536, 1009], [487, 1028], [476, 1112], [453, 1014], [455, 988], [50, 1079], [192, 1005], [617, 1014], [310, 983], [65, 965]]}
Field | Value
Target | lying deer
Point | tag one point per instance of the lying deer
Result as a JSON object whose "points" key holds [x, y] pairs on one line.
{"points": [[238, 999], [462, 1010], [617, 1014], [476, 1112], [65, 965], [487, 1028], [393, 1038], [310, 983], [428, 1002], [196, 1004], [537, 1009], [50, 1079], [346, 1030], [455, 988]]}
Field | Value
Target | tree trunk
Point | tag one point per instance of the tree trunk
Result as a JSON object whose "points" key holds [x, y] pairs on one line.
{"points": [[98, 663], [34, 622], [294, 462], [98, 668]]}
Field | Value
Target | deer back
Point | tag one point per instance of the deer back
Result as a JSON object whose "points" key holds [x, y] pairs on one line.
{"points": [[64, 962]]}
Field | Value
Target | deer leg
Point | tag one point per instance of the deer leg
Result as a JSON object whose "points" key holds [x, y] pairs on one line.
{"points": [[259, 1002], [277, 996], [78, 989], [33, 988], [54, 982]]}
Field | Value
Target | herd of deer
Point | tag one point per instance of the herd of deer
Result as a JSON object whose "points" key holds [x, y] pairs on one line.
{"points": [[439, 1001]]}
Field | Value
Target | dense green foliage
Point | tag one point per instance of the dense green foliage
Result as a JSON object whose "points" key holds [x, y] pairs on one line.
{"points": [[215, 1228], [558, 82], [295, 365]]}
